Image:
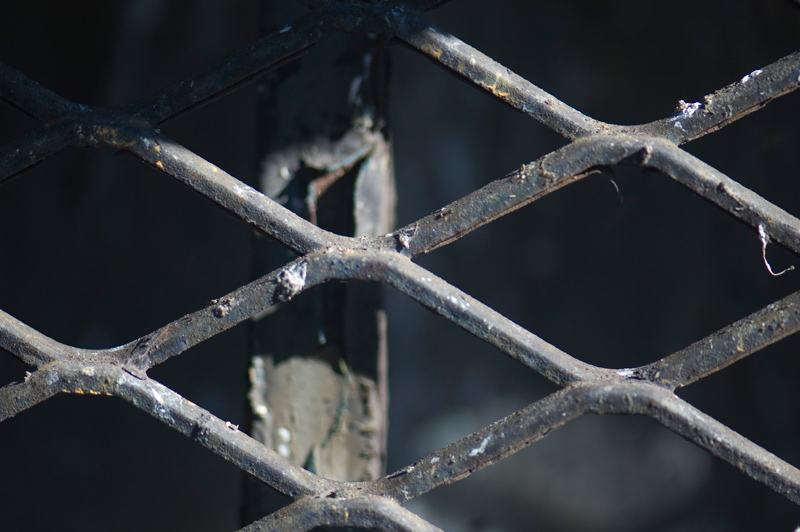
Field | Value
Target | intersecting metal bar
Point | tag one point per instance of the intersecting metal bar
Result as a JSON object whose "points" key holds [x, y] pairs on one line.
{"points": [[724, 192], [646, 390], [483, 322], [170, 408], [223, 189], [726, 346], [377, 513], [717, 110], [682, 418], [573, 162], [537, 420], [691, 120]]}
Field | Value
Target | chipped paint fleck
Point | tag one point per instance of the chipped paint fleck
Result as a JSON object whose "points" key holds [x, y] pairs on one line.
{"points": [[292, 280], [482, 447], [751, 75], [158, 397], [688, 109]]}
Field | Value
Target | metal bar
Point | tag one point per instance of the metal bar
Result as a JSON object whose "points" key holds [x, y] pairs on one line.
{"points": [[727, 105], [573, 162], [269, 52], [34, 148], [223, 189], [374, 513], [494, 78], [522, 428], [680, 417], [646, 390], [31, 98], [726, 346], [199, 425], [476, 318], [724, 192]]}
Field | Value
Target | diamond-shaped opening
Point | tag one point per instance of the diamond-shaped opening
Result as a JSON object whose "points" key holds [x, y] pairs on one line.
{"points": [[444, 383], [103, 249], [617, 283], [595, 473], [92, 464]]}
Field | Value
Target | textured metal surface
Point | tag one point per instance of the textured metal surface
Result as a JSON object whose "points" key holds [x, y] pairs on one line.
{"points": [[645, 391]]}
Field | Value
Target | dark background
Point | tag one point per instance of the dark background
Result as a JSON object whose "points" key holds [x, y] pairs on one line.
{"points": [[97, 249]]}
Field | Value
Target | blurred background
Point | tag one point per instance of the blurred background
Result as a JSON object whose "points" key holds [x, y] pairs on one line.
{"points": [[97, 248]]}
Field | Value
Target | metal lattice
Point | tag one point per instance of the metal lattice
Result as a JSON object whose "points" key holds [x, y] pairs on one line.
{"points": [[646, 390]]}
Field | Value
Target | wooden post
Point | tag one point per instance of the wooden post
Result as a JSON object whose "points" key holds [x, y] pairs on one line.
{"points": [[318, 374]]}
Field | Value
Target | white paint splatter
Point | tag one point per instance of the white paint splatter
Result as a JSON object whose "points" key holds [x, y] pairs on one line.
{"points": [[688, 109], [478, 450], [292, 280], [751, 75]]}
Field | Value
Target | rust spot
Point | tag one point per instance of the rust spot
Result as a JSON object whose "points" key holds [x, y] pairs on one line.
{"points": [[160, 165], [498, 77]]}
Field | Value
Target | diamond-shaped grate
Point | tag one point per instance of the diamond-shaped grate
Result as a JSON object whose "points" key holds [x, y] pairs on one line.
{"points": [[647, 390]]}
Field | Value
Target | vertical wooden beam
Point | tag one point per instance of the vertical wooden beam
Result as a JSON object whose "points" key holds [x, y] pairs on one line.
{"points": [[318, 376]]}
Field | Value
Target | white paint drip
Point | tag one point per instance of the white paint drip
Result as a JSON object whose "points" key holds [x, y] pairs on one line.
{"points": [[764, 237]]}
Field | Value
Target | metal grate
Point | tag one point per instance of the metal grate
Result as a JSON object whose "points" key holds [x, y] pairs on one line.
{"points": [[647, 390]]}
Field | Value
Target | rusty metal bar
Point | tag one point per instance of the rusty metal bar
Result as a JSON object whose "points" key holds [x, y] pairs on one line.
{"points": [[493, 77]]}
